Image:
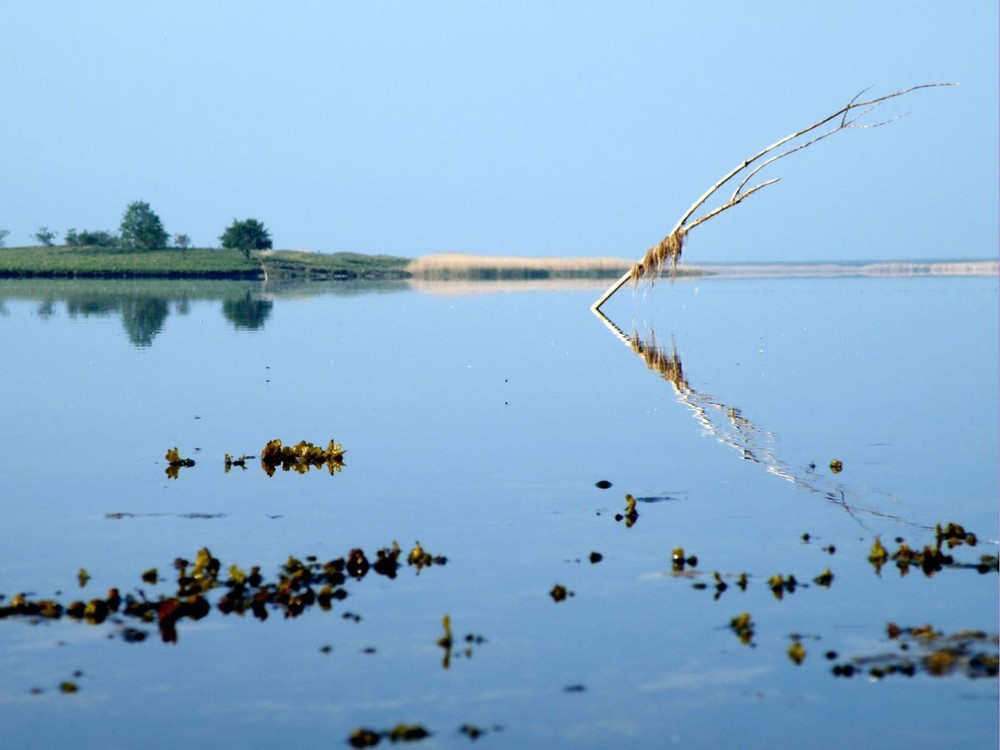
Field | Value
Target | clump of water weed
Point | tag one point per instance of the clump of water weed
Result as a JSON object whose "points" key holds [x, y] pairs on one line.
{"points": [[932, 558], [301, 457], [743, 626], [972, 653], [631, 515], [175, 463], [299, 586]]}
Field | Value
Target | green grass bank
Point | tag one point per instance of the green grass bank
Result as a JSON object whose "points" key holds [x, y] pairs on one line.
{"points": [[193, 263]]}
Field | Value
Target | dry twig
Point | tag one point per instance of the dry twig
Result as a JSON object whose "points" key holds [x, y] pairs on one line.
{"points": [[668, 250]]}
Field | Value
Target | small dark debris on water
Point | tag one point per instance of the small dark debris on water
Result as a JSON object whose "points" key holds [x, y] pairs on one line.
{"points": [[368, 650], [836, 466], [656, 499], [604, 484], [325, 649], [806, 537], [133, 635], [560, 593], [578, 688], [596, 557]]}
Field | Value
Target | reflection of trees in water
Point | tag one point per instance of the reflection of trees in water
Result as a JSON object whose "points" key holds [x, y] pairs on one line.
{"points": [[727, 425], [247, 312], [143, 318], [144, 314], [92, 304]]}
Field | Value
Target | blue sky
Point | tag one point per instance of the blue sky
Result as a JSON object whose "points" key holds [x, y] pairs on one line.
{"points": [[535, 128]]}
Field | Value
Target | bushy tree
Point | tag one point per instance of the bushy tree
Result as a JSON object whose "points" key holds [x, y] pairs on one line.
{"points": [[141, 228], [182, 241], [3, 236], [246, 236], [98, 238], [45, 236]]}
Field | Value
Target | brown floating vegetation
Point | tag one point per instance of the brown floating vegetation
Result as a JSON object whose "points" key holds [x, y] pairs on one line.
{"points": [[679, 560], [363, 737], [300, 585], [301, 457], [743, 626], [631, 515], [797, 652], [931, 559], [175, 463], [971, 653]]}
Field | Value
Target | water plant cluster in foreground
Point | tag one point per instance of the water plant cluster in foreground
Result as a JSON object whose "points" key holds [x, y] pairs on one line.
{"points": [[300, 585], [299, 458]]}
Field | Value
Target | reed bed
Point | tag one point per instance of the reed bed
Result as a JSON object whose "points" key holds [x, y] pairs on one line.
{"points": [[509, 268]]}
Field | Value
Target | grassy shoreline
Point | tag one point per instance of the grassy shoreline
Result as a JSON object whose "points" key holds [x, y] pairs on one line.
{"points": [[193, 263]]}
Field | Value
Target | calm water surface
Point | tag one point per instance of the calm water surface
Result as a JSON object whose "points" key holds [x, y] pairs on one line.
{"points": [[479, 425]]}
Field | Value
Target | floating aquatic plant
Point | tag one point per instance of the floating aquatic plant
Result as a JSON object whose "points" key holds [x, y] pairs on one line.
{"points": [[420, 559], [743, 626], [631, 515], [363, 737], [972, 653], [779, 585], [301, 457], [299, 586], [931, 559], [175, 463], [797, 652]]}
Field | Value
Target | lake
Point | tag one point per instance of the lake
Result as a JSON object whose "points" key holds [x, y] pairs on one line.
{"points": [[768, 431]]}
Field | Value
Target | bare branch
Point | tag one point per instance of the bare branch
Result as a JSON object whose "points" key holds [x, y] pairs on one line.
{"points": [[669, 248]]}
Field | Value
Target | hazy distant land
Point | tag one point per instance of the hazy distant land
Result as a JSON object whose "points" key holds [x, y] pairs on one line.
{"points": [[110, 263]]}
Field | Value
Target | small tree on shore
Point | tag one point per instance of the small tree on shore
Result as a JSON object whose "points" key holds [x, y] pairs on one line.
{"points": [[245, 236], [46, 236], [141, 228], [182, 241], [3, 236]]}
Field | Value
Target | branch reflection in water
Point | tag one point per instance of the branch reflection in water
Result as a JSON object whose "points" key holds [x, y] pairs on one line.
{"points": [[727, 425]]}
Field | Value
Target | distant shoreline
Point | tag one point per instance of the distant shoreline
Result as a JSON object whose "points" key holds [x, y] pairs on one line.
{"points": [[292, 265], [866, 268]]}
